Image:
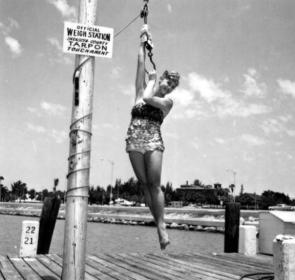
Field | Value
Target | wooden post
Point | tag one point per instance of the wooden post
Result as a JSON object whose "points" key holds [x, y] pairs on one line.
{"points": [[231, 231], [47, 223], [248, 240], [1, 178], [284, 257], [29, 239], [79, 160]]}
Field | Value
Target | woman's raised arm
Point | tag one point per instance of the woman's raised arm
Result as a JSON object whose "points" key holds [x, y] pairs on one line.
{"points": [[140, 73]]}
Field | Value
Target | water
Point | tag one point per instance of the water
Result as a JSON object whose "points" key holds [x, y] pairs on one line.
{"points": [[110, 238]]}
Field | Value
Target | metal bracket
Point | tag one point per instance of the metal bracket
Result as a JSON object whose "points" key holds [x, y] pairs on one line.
{"points": [[76, 87]]}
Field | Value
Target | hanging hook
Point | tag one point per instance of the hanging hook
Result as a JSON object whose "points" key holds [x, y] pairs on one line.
{"points": [[145, 11], [147, 38]]}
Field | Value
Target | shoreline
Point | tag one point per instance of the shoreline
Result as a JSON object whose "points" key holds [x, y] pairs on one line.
{"points": [[210, 220]]}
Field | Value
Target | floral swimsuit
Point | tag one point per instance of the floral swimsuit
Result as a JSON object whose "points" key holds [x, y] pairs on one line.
{"points": [[144, 132]]}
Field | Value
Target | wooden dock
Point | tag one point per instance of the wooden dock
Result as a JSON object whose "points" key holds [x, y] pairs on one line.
{"points": [[137, 266]]}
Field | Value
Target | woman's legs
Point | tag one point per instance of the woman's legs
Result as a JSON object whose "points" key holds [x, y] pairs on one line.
{"points": [[153, 165], [138, 164]]}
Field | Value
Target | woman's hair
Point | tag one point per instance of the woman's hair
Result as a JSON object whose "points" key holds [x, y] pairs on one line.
{"points": [[172, 76]]}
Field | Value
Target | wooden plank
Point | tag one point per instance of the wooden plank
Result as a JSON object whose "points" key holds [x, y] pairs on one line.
{"points": [[218, 260], [108, 272], [218, 264], [122, 267], [168, 271], [234, 269], [8, 271], [50, 264], [99, 273], [201, 269], [149, 272], [137, 266], [266, 262], [58, 259], [40, 269], [182, 270], [114, 267], [24, 269], [152, 275]]}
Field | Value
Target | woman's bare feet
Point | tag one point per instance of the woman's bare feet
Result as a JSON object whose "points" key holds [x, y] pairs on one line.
{"points": [[163, 245], [163, 237]]}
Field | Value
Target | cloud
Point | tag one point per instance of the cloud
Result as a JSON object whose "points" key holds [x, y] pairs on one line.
{"points": [[287, 87], [48, 108], [252, 140], [207, 88], [285, 118], [172, 135], [290, 132], [53, 109], [169, 8], [57, 136], [219, 140], [272, 126], [55, 43], [182, 97], [213, 100], [36, 128], [185, 105], [13, 45], [251, 87], [12, 23], [34, 111], [195, 144], [116, 72], [128, 90], [7, 28], [248, 157], [278, 126], [231, 107], [64, 8], [59, 56]]}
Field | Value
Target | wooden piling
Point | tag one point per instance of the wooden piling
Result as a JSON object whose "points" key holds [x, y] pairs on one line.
{"points": [[47, 223], [231, 230], [79, 158]]}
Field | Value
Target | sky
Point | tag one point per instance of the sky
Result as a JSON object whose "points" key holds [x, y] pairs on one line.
{"points": [[233, 118]]}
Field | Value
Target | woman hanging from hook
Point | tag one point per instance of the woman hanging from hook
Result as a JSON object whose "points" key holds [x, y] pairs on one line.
{"points": [[144, 142]]}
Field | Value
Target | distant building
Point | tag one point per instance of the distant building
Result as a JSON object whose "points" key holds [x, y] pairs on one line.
{"points": [[198, 193], [176, 204], [193, 187]]}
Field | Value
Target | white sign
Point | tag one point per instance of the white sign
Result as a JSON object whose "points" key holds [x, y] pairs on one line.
{"points": [[88, 40], [29, 239]]}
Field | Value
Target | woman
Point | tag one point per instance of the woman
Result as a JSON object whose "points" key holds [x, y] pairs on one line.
{"points": [[144, 141]]}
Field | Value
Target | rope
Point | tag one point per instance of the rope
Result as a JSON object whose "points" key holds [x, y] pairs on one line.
{"points": [[76, 170], [76, 121], [119, 32], [265, 275], [76, 188], [116, 35], [80, 153], [148, 44]]}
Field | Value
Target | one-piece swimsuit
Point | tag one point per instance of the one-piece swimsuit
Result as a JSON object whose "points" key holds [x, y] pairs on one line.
{"points": [[144, 131]]}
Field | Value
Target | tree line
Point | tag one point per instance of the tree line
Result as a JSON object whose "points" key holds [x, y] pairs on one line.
{"points": [[130, 190]]}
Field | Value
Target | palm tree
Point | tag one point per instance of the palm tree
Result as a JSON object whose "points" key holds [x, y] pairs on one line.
{"points": [[19, 189]]}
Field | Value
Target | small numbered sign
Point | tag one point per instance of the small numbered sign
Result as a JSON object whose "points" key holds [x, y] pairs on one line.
{"points": [[29, 238]]}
